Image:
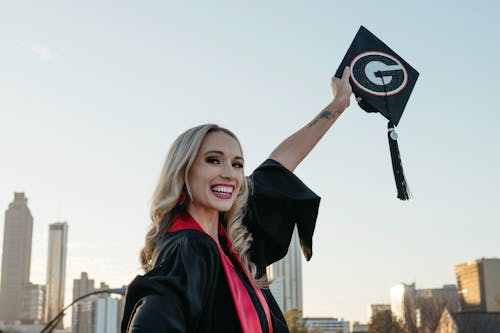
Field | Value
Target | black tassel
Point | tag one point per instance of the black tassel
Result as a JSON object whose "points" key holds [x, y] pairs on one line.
{"points": [[397, 166]]}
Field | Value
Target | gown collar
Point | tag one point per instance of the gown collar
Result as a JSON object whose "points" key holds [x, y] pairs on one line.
{"points": [[247, 314]]}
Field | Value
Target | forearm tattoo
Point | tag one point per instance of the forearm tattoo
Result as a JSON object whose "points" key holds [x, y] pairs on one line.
{"points": [[325, 114]]}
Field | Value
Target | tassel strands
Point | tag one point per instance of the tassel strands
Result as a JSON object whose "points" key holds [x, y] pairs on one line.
{"points": [[397, 166]]}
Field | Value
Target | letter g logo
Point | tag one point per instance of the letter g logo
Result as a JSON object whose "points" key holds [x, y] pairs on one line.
{"points": [[371, 70]]}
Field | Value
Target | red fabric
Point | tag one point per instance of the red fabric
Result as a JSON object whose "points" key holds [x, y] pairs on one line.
{"points": [[249, 319]]}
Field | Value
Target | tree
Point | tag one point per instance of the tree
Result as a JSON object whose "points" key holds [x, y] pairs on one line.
{"points": [[384, 322], [294, 321]]}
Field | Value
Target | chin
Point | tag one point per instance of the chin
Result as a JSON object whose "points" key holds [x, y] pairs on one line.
{"points": [[225, 208]]}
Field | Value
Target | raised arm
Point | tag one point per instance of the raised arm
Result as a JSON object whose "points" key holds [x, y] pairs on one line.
{"points": [[296, 147]]}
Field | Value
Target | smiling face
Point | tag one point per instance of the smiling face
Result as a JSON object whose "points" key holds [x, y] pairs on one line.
{"points": [[216, 175]]}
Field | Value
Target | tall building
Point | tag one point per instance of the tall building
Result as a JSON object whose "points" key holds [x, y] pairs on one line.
{"points": [[16, 257], [33, 304], [80, 321], [288, 275], [56, 269], [83, 285], [479, 285]]}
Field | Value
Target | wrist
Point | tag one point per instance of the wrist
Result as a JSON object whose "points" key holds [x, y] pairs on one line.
{"points": [[337, 105]]}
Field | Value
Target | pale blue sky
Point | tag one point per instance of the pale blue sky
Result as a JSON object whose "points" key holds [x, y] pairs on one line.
{"points": [[92, 94]]}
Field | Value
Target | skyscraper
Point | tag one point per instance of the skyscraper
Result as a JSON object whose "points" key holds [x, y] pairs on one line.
{"points": [[16, 257], [81, 320], [56, 269], [288, 275], [479, 285]]}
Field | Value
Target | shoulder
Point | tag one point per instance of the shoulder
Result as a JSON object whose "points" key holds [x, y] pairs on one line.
{"points": [[190, 244], [186, 269], [181, 284]]}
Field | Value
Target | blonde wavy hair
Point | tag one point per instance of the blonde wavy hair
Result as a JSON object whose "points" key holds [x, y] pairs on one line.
{"points": [[173, 183]]}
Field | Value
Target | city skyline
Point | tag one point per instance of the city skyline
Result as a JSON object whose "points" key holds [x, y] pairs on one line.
{"points": [[93, 305], [25, 303], [92, 95]]}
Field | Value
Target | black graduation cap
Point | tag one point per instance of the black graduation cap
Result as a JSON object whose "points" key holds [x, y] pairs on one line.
{"points": [[384, 82]]}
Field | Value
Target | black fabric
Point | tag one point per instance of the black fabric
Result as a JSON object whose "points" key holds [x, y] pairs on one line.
{"points": [[188, 276], [382, 79], [278, 201], [188, 292]]}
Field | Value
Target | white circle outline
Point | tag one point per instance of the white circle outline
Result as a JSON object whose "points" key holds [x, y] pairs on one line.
{"points": [[389, 93]]}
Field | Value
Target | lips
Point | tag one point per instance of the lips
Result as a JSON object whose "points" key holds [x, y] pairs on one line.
{"points": [[223, 191]]}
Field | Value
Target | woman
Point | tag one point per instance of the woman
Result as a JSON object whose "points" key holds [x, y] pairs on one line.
{"points": [[214, 231]]}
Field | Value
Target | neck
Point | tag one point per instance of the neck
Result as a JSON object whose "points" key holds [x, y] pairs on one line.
{"points": [[207, 219]]}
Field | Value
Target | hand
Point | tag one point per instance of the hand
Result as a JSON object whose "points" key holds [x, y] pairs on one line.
{"points": [[342, 89], [365, 106]]}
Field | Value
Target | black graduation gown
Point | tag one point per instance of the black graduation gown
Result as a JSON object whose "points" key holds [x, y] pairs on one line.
{"points": [[187, 291]]}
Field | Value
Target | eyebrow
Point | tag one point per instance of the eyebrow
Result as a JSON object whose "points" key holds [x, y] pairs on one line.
{"points": [[219, 152]]}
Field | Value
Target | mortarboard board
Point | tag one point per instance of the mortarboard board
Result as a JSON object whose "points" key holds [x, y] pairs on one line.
{"points": [[384, 82]]}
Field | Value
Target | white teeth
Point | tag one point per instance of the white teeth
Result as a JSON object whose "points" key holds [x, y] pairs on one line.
{"points": [[222, 189]]}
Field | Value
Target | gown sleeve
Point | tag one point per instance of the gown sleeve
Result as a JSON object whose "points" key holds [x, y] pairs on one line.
{"points": [[278, 201], [172, 296]]}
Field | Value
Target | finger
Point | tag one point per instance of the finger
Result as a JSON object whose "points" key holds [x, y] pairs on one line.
{"points": [[346, 73]]}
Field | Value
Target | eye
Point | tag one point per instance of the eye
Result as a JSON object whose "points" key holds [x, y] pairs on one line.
{"points": [[212, 160], [238, 165]]}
